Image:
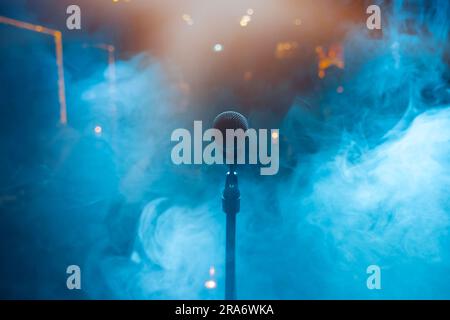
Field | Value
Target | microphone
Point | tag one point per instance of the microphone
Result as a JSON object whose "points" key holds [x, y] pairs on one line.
{"points": [[231, 197], [230, 120]]}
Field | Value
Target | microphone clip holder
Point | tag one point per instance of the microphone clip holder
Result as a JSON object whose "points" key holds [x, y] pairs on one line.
{"points": [[231, 197]]}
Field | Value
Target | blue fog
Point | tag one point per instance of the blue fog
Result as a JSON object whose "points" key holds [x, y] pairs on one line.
{"points": [[364, 179]]}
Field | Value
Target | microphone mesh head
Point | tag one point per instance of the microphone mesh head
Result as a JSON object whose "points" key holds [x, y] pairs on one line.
{"points": [[230, 120]]}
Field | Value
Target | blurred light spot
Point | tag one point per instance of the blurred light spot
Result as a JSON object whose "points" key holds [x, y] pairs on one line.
{"points": [[188, 19], [298, 22], [98, 130], [275, 135], [285, 49], [218, 47], [210, 284], [135, 257], [245, 20], [321, 74], [250, 11], [248, 75], [333, 57], [212, 271], [340, 89]]}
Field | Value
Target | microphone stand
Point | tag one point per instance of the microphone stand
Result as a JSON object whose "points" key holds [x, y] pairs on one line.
{"points": [[231, 204]]}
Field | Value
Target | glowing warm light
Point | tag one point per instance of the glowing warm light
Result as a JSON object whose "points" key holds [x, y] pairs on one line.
{"points": [[98, 129], [298, 21], [245, 20], [334, 57], [212, 271], [285, 49], [210, 284], [218, 47], [340, 89], [188, 19], [275, 135]]}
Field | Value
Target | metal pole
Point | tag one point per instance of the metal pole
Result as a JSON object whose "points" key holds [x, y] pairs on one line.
{"points": [[231, 205]]}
